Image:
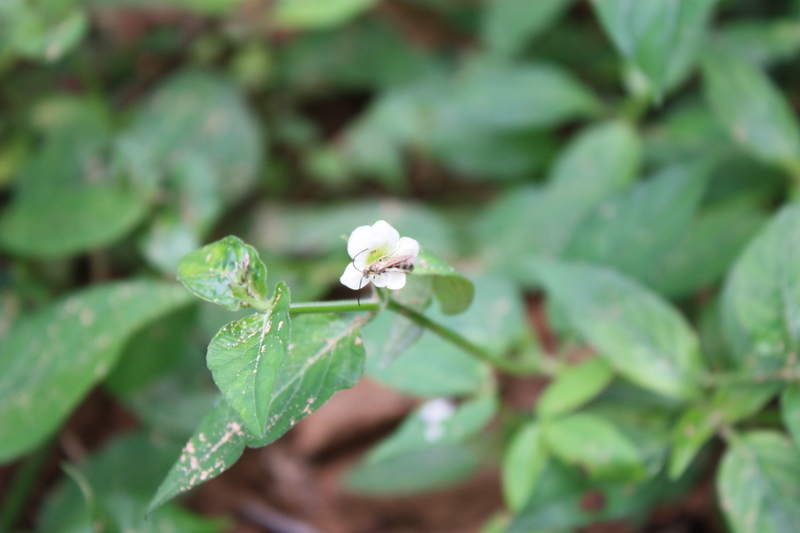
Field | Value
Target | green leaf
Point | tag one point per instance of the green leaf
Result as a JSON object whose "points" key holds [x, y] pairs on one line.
{"points": [[246, 357], [404, 332], [592, 442], [735, 403], [730, 404], [598, 162], [761, 299], [418, 471], [509, 24], [120, 488], [706, 251], [454, 291], [218, 442], [751, 108], [434, 367], [527, 96], [759, 484], [34, 35], [574, 387], [310, 231], [559, 502], [222, 271], [763, 42], [602, 159], [326, 355], [480, 153], [523, 464], [660, 37], [632, 231], [300, 14], [431, 367], [70, 220], [55, 356], [695, 428], [437, 422], [790, 411], [641, 335], [194, 114], [154, 351], [195, 203]]}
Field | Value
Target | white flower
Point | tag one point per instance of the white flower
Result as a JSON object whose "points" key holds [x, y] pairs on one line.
{"points": [[433, 415], [379, 256], [437, 411]]}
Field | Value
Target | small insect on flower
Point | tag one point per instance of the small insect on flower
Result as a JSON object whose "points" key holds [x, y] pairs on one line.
{"points": [[380, 256]]}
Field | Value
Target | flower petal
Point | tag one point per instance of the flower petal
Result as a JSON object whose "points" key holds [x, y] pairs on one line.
{"points": [[407, 247], [385, 234], [353, 278], [393, 280], [360, 242]]}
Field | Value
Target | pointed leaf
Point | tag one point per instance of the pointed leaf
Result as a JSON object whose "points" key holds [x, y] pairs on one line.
{"points": [[523, 465], [246, 357], [707, 250], [326, 355], [598, 162], [761, 300], [751, 107], [52, 358], [217, 443], [195, 114], [634, 229], [223, 270], [593, 443], [759, 484], [574, 387], [71, 220], [661, 37], [509, 97], [642, 336], [509, 24]]}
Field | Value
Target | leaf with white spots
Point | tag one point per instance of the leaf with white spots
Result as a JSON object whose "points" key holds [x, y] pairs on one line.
{"points": [[192, 114], [436, 423], [761, 300], [224, 271], [326, 355], [53, 357], [759, 483], [246, 358], [217, 443], [641, 335], [752, 108]]}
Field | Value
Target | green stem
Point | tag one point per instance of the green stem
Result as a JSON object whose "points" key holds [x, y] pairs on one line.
{"points": [[21, 487], [459, 340], [339, 306]]}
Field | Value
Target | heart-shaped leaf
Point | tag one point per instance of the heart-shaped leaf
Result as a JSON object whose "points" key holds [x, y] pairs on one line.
{"points": [[224, 271]]}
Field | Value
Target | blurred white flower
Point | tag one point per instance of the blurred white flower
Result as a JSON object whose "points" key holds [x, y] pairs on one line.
{"points": [[379, 255], [433, 414]]}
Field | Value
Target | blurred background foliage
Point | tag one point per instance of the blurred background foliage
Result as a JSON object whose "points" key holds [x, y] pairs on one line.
{"points": [[498, 133]]}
